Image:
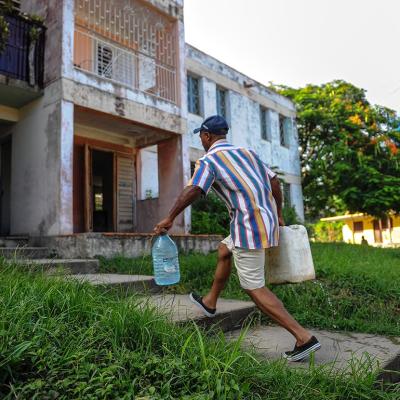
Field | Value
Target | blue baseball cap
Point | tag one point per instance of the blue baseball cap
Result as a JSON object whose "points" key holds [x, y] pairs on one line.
{"points": [[214, 124]]}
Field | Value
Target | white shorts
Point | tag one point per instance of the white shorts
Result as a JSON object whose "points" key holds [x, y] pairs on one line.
{"points": [[249, 264]]}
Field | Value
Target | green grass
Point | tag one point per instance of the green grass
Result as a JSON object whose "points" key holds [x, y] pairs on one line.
{"points": [[357, 287], [67, 340]]}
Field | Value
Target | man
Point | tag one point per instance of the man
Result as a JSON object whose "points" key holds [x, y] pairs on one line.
{"points": [[251, 191]]}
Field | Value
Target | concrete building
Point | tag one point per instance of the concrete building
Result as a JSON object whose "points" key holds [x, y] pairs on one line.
{"points": [[258, 117], [384, 232], [114, 83], [101, 142]]}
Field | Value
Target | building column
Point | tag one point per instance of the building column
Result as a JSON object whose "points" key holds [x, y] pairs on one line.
{"points": [[41, 173], [171, 175]]}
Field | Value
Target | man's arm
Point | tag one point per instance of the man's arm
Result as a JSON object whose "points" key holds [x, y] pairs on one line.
{"points": [[277, 193], [185, 199]]}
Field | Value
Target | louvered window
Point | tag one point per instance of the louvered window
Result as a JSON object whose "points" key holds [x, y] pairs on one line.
{"points": [[221, 102], [193, 92], [104, 61]]}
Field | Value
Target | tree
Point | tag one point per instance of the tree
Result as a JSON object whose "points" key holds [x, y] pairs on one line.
{"points": [[348, 148]]}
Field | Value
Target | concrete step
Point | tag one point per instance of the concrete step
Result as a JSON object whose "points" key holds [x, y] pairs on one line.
{"points": [[338, 348], [25, 252], [13, 241], [230, 313], [54, 266], [129, 283]]}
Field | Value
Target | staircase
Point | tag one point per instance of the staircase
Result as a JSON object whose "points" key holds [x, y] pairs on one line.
{"points": [[16, 250]]}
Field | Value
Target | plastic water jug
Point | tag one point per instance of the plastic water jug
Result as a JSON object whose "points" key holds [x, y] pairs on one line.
{"points": [[165, 261], [291, 261]]}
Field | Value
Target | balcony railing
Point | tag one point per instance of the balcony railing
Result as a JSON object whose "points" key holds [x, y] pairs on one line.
{"points": [[23, 56], [127, 67]]}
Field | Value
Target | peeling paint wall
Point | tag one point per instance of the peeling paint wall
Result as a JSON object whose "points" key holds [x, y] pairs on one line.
{"points": [[123, 98], [243, 115], [90, 245], [41, 193]]}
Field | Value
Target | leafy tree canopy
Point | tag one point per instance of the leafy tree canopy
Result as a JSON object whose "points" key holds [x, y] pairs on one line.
{"points": [[348, 149]]}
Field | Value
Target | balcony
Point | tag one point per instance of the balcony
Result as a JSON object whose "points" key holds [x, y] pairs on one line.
{"points": [[128, 43], [22, 62]]}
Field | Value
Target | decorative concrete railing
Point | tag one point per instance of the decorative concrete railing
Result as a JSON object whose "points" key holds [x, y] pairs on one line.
{"points": [[132, 69]]}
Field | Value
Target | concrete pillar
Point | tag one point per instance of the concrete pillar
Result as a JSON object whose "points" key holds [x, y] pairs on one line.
{"points": [[171, 178], [42, 146]]}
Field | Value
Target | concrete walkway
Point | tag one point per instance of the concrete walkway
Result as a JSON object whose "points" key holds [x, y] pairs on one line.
{"points": [[338, 348], [230, 314]]}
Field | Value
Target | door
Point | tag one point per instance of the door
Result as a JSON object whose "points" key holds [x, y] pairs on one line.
{"points": [[377, 231], [126, 190], [93, 193]]}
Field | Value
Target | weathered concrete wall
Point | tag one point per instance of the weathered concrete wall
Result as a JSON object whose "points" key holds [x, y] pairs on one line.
{"points": [[171, 178], [89, 245], [243, 115], [93, 92], [148, 215], [41, 193], [148, 185]]}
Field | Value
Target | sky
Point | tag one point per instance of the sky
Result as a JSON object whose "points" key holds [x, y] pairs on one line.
{"points": [[296, 42]]}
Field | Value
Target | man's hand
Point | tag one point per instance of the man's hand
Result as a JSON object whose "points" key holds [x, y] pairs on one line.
{"points": [[163, 226], [281, 221]]}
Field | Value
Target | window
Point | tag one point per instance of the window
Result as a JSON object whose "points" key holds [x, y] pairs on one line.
{"points": [[287, 198], [221, 102], [265, 123], [358, 226], [104, 61], [285, 127], [193, 92]]}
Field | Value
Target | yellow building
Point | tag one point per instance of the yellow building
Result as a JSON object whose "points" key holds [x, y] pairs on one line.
{"points": [[377, 232]]}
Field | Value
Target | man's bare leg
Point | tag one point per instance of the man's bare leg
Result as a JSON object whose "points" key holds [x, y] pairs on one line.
{"points": [[269, 304], [222, 272], [265, 300]]}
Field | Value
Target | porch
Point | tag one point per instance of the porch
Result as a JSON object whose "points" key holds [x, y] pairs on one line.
{"points": [[125, 175]]}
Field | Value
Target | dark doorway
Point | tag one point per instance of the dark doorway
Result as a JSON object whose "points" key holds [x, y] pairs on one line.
{"points": [[103, 191], [377, 231], [5, 187]]}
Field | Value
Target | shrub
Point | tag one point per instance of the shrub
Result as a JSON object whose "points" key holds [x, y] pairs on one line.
{"points": [[328, 231], [210, 216], [290, 216]]}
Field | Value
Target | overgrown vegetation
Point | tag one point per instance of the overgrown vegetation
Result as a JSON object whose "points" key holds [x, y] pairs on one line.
{"points": [[349, 150], [66, 340], [323, 231], [353, 283], [210, 216]]}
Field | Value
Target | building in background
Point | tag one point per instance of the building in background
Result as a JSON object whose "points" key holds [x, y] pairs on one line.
{"points": [[259, 118], [375, 231], [96, 134]]}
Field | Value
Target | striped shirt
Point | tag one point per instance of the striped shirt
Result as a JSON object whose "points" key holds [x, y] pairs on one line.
{"points": [[242, 181]]}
